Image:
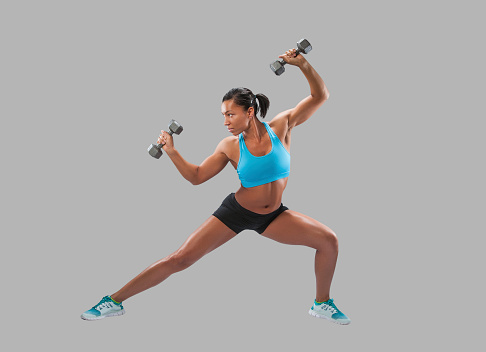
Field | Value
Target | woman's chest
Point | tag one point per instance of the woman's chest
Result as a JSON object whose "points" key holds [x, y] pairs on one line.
{"points": [[256, 149]]}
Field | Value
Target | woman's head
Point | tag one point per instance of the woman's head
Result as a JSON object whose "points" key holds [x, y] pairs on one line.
{"points": [[240, 104], [246, 99]]}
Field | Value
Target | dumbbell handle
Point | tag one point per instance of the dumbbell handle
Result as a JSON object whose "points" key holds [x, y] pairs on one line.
{"points": [[160, 145]]}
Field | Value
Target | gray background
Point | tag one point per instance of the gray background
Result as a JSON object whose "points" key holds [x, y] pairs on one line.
{"points": [[393, 163]]}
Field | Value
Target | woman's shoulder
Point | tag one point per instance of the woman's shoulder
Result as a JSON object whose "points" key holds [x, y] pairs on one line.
{"points": [[281, 119], [229, 140], [280, 124], [229, 144]]}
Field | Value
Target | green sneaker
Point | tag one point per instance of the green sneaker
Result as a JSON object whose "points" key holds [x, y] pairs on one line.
{"points": [[328, 310], [106, 308]]}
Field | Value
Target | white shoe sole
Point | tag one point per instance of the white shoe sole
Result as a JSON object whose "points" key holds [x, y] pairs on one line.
{"points": [[314, 314], [116, 314]]}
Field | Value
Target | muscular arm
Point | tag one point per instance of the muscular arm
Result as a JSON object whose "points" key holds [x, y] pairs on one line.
{"points": [[208, 168], [309, 105]]}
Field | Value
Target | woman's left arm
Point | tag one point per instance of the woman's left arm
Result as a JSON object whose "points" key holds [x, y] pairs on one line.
{"points": [[319, 93]]}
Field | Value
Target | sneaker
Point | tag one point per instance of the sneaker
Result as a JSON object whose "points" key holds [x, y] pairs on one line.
{"points": [[106, 308], [328, 310]]}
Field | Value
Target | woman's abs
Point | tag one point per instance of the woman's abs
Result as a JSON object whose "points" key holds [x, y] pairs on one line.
{"points": [[262, 199]]}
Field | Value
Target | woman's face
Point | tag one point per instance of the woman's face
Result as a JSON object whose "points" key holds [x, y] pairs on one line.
{"points": [[236, 119]]}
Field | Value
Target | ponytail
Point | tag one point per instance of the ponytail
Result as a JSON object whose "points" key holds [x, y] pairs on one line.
{"points": [[263, 106]]}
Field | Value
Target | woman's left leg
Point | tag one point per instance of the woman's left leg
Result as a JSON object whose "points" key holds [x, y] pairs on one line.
{"points": [[295, 228]]}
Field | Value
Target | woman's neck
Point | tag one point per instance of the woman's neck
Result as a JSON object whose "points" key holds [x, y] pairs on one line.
{"points": [[256, 131]]}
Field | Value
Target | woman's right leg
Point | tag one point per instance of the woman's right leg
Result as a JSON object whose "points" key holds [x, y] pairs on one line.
{"points": [[209, 236]]}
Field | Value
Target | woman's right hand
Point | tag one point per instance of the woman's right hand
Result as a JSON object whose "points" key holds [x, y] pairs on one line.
{"points": [[166, 140]]}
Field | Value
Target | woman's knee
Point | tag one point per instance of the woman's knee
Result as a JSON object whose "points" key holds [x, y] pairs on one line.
{"points": [[181, 260], [328, 239]]}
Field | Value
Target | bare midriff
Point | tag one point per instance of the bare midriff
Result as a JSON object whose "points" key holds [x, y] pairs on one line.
{"points": [[262, 199]]}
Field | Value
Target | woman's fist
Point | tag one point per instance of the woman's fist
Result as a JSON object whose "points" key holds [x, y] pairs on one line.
{"points": [[291, 58], [166, 140]]}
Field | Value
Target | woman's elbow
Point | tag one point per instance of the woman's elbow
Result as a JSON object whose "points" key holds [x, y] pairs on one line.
{"points": [[198, 179], [325, 95], [196, 182], [322, 97], [195, 179]]}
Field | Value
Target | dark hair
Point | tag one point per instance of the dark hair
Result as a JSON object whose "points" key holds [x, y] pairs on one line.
{"points": [[245, 98]]}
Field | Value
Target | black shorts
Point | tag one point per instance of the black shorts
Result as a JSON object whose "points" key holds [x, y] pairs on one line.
{"points": [[237, 218]]}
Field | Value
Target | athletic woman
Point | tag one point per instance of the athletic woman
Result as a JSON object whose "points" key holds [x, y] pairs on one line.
{"points": [[259, 152]]}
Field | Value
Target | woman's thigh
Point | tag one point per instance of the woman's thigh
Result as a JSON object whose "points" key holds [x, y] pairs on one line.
{"points": [[295, 228], [206, 238]]}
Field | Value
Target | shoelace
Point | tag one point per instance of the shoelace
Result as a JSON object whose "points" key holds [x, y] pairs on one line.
{"points": [[329, 305], [104, 303]]}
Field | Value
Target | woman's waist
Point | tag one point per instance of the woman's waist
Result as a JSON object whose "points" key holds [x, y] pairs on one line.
{"points": [[262, 199]]}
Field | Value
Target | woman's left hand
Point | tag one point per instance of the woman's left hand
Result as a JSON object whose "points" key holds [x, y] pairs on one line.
{"points": [[292, 59]]}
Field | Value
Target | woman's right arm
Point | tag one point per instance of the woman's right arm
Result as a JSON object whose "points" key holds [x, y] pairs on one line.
{"points": [[208, 168]]}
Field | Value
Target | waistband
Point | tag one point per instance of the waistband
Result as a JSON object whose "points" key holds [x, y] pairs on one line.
{"points": [[233, 200]]}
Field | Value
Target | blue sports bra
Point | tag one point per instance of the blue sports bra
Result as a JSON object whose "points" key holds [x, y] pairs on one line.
{"points": [[257, 170]]}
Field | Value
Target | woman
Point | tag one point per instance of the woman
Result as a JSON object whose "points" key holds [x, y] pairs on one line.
{"points": [[260, 154]]}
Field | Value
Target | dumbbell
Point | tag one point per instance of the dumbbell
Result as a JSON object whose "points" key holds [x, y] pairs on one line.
{"points": [[303, 46], [156, 149]]}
